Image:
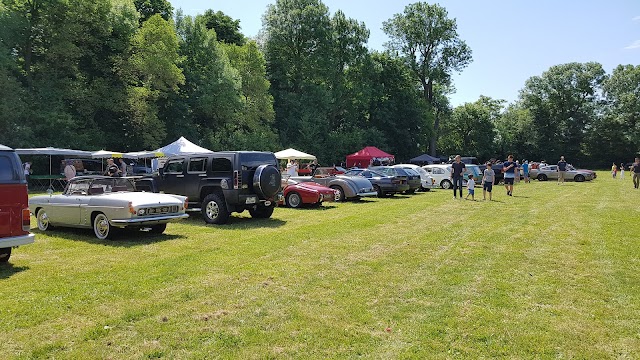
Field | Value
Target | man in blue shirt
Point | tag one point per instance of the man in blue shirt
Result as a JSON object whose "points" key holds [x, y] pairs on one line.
{"points": [[509, 169], [562, 169]]}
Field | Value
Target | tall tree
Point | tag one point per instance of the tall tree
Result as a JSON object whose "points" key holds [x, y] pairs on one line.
{"points": [[471, 130], [148, 8], [227, 29], [427, 39], [622, 90], [563, 104]]}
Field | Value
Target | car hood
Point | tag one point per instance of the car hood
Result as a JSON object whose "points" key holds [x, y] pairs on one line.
{"points": [[361, 183], [313, 186]]}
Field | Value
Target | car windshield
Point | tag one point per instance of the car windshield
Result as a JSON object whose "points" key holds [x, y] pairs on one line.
{"points": [[354, 172], [411, 172], [99, 186]]}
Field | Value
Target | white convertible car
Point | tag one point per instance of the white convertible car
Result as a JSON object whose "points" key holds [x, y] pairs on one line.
{"points": [[104, 203]]}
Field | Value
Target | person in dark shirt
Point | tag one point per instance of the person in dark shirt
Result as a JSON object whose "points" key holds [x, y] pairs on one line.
{"points": [[509, 168], [457, 174], [562, 169], [635, 172]]}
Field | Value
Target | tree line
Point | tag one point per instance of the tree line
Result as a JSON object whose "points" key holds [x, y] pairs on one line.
{"points": [[136, 74]]}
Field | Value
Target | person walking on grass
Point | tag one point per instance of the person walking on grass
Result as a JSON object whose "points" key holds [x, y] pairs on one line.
{"points": [[635, 173], [488, 177], [509, 169], [525, 171], [562, 169], [457, 174], [471, 184], [614, 170], [621, 171]]}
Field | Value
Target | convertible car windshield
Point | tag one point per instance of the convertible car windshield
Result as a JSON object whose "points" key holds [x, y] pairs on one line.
{"points": [[98, 186]]}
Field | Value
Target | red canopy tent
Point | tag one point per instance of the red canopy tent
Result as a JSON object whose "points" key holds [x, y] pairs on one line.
{"points": [[363, 157]]}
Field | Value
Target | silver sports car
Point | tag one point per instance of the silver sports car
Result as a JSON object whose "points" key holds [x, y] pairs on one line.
{"points": [[104, 203], [551, 173]]}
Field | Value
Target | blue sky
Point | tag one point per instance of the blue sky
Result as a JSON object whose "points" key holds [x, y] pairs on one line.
{"points": [[511, 40]]}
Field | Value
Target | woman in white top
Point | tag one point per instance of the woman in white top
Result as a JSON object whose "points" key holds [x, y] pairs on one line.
{"points": [[292, 168]]}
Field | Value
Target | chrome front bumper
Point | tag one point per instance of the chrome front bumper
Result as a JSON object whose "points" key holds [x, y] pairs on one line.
{"points": [[365, 194], [147, 221], [16, 240]]}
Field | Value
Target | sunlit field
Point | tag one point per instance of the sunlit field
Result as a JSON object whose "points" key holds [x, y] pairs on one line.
{"points": [[549, 273]]}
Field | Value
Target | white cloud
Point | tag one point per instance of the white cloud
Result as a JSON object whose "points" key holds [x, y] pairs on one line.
{"points": [[637, 18], [634, 45]]}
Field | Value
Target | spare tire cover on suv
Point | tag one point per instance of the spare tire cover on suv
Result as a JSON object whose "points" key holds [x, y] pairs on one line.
{"points": [[266, 181]]}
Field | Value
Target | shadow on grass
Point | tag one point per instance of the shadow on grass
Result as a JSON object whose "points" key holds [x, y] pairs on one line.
{"points": [[121, 238], [236, 222], [358, 201], [316, 207], [8, 269]]}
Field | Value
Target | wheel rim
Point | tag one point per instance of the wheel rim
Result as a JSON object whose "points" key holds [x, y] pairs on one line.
{"points": [[213, 210], [338, 193], [294, 200], [43, 220], [101, 226], [446, 185]]}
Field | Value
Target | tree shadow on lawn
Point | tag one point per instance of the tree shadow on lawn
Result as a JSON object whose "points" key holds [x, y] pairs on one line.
{"points": [[358, 201], [237, 222], [121, 238], [8, 269], [316, 208]]}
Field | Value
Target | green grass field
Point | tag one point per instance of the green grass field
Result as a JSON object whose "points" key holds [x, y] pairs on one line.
{"points": [[552, 272]]}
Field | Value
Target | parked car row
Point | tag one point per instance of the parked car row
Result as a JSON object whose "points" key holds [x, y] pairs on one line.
{"points": [[215, 184]]}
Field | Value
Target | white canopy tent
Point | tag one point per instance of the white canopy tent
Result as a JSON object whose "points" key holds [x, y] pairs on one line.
{"points": [[182, 146], [104, 154], [291, 154]]}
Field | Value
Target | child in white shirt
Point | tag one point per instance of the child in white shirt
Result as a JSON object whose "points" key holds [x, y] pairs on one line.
{"points": [[470, 188]]}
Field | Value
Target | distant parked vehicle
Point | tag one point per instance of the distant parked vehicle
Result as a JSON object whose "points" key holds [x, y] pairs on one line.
{"points": [[383, 184], [413, 178], [426, 181], [347, 187], [551, 173], [442, 175]]}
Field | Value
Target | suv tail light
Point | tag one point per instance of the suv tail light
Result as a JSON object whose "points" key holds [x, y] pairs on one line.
{"points": [[237, 180], [26, 219]]}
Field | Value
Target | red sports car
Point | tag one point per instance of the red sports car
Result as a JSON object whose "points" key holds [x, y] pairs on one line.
{"points": [[297, 193]]}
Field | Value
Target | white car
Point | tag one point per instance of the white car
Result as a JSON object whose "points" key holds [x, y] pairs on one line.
{"points": [[426, 181]]}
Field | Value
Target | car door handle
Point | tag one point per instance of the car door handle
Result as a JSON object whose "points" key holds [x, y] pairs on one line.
{"points": [[179, 176], [202, 175]]}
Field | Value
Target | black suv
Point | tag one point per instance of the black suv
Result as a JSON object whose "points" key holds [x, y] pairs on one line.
{"points": [[221, 183]]}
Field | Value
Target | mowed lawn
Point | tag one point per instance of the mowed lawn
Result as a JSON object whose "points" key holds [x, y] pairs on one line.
{"points": [[553, 272]]}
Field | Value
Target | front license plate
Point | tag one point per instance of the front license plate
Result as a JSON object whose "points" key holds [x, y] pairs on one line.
{"points": [[251, 200]]}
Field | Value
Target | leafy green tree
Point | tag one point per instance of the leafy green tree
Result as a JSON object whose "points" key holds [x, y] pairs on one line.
{"points": [[471, 129], [227, 29], [622, 90], [427, 39], [298, 57], [153, 73], [148, 8], [563, 103], [515, 133]]}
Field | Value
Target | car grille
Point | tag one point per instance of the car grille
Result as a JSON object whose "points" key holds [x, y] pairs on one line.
{"points": [[160, 210]]}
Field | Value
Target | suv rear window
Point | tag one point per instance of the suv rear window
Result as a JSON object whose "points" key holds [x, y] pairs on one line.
{"points": [[10, 168], [253, 160]]}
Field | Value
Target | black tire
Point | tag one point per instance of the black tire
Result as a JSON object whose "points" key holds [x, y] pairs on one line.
{"points": [[262, 212], [340, 196], [5, 254], [446, 184], [378, 190], [158, 229], [410, 191], [101, 227], [214, 209], [43, 220], [579, 178], [542, 177], [267, 181], [294, 200]]}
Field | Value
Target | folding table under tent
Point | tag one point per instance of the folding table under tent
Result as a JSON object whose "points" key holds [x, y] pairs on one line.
{"points": [[51, 151]]}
